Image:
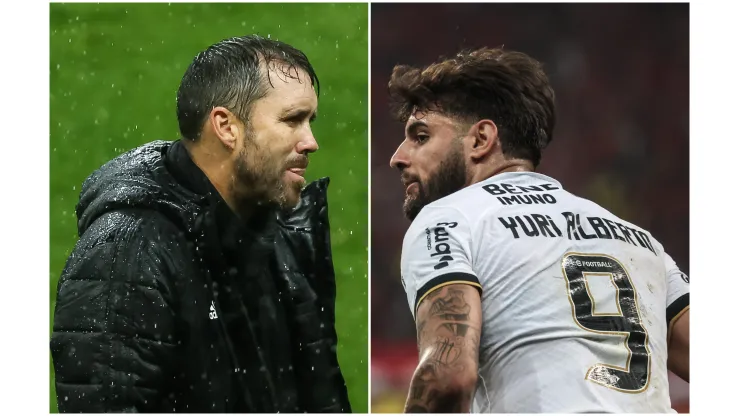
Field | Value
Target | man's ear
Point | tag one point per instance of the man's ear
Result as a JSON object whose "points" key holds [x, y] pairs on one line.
{"points": [[225, 126], [485, 139]]}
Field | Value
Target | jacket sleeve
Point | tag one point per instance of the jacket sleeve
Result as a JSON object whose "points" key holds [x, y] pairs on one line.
{"points": [[113, 338]]}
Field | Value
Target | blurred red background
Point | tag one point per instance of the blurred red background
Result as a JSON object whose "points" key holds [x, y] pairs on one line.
{"points": [[621, 79]]}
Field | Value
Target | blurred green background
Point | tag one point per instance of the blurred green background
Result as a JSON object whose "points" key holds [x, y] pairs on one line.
{"points": [[115, 69]]}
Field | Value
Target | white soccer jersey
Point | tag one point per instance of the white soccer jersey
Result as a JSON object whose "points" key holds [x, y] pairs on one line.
{"points": [[576, 302]]}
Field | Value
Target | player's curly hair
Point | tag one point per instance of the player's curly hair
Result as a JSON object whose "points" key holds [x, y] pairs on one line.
{"points": [[507, 87]]}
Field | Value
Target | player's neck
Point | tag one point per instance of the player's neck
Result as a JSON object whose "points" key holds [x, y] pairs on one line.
{"points": [[507, 165]]}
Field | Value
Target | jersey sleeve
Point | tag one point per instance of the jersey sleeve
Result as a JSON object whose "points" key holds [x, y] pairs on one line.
{"points": [[436, 253], [677, 295]]}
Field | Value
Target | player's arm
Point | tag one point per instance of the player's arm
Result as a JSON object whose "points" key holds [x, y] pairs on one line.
{"points": [[677, 317], [678, 346], [444, 296], [448, 325]]}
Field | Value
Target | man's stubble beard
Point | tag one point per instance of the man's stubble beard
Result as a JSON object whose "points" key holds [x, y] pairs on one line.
{"points": [[447, 179], [258, 180]]}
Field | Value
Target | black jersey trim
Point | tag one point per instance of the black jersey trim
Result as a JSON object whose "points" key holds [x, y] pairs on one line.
{"points": [[444, 280], [676, 309]]}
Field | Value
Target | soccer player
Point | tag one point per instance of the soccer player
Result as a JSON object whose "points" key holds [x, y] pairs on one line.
{"points": [[526, 297]]}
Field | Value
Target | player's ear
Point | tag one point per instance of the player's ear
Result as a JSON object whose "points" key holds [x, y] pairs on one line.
{"points": [[225, 126], [485, 139]]}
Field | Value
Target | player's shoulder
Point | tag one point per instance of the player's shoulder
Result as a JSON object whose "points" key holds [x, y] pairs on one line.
{"points": [[595, 210], [449, 212]]}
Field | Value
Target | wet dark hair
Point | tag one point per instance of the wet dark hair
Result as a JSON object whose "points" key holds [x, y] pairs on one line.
{"points": [[507, 87], [230, 74]]}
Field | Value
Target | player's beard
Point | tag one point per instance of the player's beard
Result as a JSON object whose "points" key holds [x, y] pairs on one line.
{"points": [[258, 179], [447, 179]]}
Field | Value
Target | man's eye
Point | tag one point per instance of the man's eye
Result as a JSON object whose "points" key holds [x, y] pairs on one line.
{"points": [[293, 120], [421, 138], [298, 119]]}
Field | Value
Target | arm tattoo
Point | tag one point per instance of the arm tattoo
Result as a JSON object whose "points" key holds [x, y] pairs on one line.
{"points": [[448, 341]]}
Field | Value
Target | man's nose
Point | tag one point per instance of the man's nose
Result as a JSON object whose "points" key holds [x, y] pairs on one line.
{"points": [[400, 159], [308, 144]]}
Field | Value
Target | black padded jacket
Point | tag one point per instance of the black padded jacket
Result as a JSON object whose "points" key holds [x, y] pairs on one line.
{"points": [[168, 303]]}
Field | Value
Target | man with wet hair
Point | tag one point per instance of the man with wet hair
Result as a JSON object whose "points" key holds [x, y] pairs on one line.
{"points": [[203, 279]]}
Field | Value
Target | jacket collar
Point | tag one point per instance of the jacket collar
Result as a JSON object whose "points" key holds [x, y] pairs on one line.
{"points": [[232, 230]]}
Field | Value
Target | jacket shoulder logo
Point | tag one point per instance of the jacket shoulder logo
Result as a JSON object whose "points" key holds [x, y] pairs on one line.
{"points": [[212, 314]]}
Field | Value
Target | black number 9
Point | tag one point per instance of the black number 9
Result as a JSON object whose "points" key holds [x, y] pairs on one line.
{"points": [[635, 376]]}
